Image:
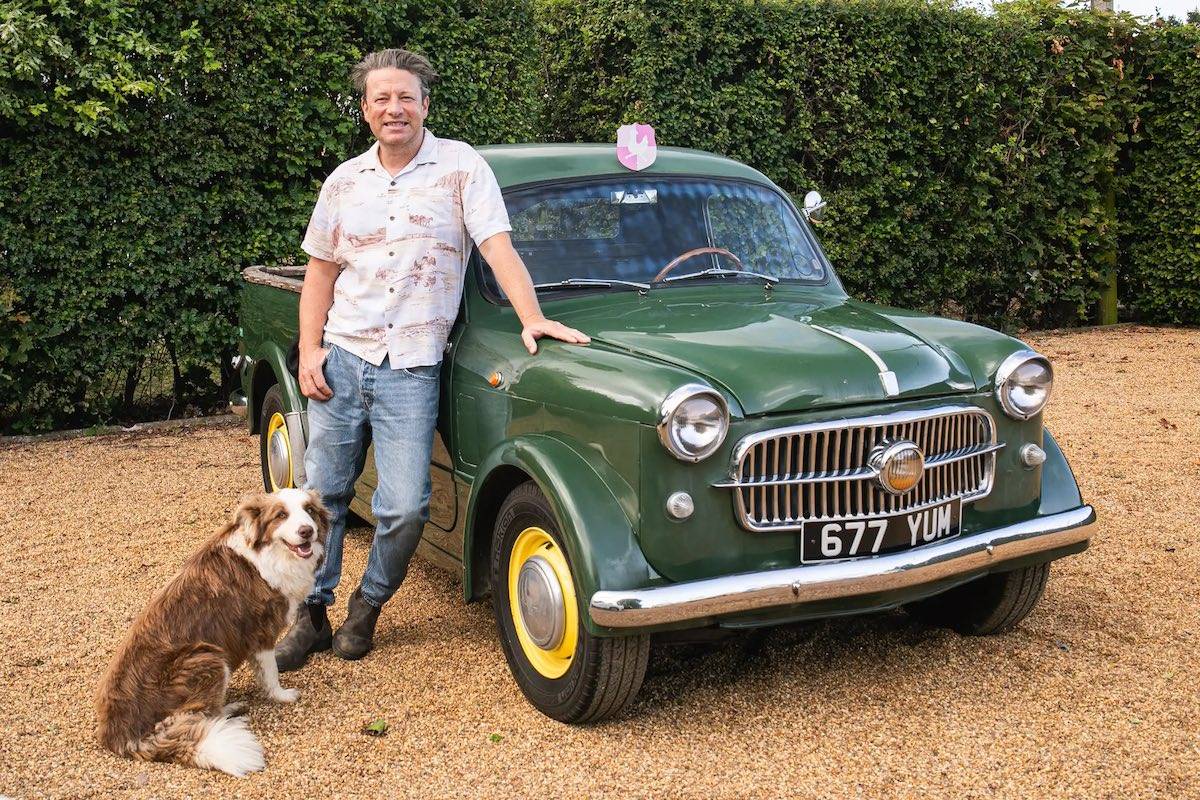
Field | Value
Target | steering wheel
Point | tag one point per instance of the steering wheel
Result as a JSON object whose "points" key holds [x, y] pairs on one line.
{"points": [[699, 251]]}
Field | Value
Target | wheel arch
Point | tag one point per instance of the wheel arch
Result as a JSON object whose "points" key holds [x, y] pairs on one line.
{"points": [[271, 369], [597, 531], [1060, 491], [483, 508]]}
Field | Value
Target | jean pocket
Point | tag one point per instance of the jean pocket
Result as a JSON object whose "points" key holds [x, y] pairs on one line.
{"points": [[424, 372]]}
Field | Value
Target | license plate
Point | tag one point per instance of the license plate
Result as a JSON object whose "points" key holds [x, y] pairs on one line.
{"points": [[839, 539]]}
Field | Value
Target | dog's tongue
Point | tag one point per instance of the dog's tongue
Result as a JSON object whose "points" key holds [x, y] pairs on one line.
{"points": [[303, 550]]}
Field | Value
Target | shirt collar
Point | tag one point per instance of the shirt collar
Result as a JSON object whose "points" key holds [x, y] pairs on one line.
{"points": [[427, 154]]}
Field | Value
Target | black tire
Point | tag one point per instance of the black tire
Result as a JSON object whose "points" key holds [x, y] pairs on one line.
{"points": [[272, 404], [605, 673], [992, 604]]}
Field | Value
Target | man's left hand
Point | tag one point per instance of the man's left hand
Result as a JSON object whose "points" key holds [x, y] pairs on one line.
{"points": [[555, 330]]}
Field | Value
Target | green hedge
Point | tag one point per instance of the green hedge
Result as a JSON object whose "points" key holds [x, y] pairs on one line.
{"points": [[1160, 209], [150, 151], [178, 144], [963, 155]]}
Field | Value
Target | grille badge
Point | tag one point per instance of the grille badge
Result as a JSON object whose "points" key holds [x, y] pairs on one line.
{"points": [[899, 465]]}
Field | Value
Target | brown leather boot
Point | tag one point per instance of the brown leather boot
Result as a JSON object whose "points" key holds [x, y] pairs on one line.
{"points": [[310, 633], [353, 639]]}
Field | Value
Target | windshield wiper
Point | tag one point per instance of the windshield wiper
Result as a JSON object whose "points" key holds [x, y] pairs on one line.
{"points": [[704, 273], [589, 283]]}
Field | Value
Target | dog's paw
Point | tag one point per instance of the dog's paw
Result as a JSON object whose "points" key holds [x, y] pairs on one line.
{"points": [[233, 709], [281, 695]]}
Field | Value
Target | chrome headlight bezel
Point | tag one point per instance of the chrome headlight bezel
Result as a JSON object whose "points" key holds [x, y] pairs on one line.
{"points": [[1005, 376], [675, 401]]}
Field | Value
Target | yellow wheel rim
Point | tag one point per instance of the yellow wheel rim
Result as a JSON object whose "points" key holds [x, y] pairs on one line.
{"points": [[279, 453], [535, 551]]}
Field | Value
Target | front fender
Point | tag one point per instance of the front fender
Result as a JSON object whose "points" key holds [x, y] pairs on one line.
{"points": [[1060, 492], [594, 508]]}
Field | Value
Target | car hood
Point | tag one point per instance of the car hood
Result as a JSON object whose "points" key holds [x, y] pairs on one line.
{"points": [[777, 354]]}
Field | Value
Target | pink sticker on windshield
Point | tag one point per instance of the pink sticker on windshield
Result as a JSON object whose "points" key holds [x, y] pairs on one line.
{"points": [[636, 148]]}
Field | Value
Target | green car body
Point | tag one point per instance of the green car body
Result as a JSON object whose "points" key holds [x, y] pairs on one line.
{"points": [[582, 422]]}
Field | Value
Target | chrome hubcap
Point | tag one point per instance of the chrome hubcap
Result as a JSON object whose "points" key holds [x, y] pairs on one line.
{"points": [[277, 458], [541, 603]]}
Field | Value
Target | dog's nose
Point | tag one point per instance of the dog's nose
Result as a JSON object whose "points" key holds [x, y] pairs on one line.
{"points": [[305, 532]]}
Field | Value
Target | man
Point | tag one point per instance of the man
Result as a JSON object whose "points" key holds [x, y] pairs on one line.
{"points": [[388, 247]]}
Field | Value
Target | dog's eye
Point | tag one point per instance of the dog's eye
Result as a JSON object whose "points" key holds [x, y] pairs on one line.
{"points": [[281, 515]]}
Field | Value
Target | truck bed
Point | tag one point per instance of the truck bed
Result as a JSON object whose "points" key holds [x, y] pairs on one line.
{"points": [[289, 278]]}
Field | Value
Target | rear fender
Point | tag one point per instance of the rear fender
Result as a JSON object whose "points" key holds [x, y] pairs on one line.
{"points": [[270, 369], [595, 526]]}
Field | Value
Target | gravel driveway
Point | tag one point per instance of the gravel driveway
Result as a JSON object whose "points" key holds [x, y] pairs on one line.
{"points": [[1096, 695]]}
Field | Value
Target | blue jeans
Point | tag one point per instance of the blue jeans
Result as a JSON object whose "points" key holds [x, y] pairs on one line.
{"points": [[398, 409]]}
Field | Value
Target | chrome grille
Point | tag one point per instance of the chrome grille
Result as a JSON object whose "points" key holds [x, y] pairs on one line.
{"points": [[784, 477]]}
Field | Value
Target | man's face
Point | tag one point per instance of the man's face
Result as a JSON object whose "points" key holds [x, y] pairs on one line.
{"points": [[393, 106]]}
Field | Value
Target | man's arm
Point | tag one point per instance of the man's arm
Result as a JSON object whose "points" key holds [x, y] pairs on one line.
{"points": [[514, 279], [315, 299]]}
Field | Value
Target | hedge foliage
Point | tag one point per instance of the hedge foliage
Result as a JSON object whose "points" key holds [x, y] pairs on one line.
{"points": [[964, 156], [1160, 209], [179, 143], [150, 151]]}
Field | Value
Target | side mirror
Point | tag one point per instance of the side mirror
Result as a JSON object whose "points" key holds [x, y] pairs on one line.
{"points": [[814, 206]]}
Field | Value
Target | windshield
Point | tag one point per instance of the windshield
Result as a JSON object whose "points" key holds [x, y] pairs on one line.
{"points": [[629, 229]]}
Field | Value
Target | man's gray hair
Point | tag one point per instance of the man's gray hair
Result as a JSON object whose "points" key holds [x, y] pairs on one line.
{"points": [[394, 58]]}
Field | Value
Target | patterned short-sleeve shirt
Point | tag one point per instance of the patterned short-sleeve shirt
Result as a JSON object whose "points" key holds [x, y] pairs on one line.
{"points": [[402, 244]]}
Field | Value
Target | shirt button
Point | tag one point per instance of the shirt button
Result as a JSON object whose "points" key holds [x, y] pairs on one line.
{"points": [[391, 289], [391, 252], [389, 324], [392, 218], [393, 183]]}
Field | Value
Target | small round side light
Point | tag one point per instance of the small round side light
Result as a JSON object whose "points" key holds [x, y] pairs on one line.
{"points": [[680, 505], [1032, 456]]}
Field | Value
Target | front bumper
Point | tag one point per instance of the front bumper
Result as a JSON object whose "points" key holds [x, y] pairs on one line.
{"points": [[968, 556]]}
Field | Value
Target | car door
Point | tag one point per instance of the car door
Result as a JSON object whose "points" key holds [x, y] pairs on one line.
{"points": [[441, 538]]}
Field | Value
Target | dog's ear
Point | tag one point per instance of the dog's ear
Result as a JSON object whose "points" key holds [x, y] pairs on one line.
{"points": [[252, 517], [320, 514]]}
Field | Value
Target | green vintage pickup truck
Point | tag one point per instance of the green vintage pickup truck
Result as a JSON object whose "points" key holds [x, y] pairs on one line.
{"points": [[741, 445]]}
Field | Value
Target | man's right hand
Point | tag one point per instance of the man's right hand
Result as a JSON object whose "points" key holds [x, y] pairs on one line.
{"points": [[312, 374]]}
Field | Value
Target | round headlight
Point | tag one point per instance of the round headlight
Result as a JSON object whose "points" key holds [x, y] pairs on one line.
{"points": [[693, 422], [1023, 384]]}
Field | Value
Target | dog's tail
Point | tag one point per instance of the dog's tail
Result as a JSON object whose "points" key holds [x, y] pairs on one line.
{"points": [[221, 743]]}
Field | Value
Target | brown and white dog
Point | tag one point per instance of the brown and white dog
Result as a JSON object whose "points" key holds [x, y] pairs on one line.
{"points": [[163, 697]]}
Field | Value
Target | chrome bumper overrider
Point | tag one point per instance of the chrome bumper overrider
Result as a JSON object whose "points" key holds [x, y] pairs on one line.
{"points": [[238, 404], [752, 591]]}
